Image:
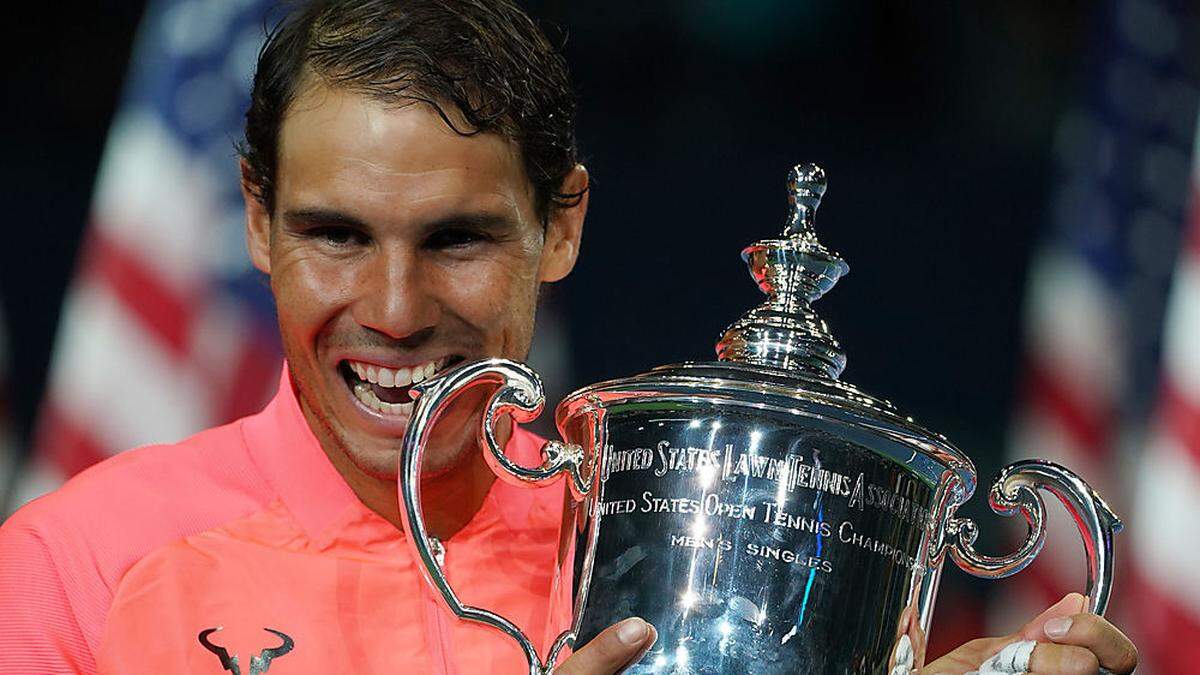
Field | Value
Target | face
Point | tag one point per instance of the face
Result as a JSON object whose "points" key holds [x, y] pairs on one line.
{"points": [[398, 248]]}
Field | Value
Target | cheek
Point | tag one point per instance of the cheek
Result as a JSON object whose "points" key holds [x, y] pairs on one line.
{"points": [[308, 293], [498, 299]]}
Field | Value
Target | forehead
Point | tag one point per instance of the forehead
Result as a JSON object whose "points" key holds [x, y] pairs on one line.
{"points": [[347, 149]]}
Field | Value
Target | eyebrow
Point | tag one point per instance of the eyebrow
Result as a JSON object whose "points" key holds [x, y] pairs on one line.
{"points": [[332, 218], [490, 222], [325, 217]]}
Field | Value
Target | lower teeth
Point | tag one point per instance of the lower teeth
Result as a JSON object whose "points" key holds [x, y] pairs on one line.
{"points": [[363, 392]]}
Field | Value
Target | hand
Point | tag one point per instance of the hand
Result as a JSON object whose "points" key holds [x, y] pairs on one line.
{"points": [[1070, 641], [610, 652]]}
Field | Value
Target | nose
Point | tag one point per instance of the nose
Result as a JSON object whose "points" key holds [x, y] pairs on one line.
{"points": [[395, 298]]}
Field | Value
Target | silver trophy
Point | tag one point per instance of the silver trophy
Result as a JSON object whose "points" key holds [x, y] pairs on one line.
{"points": [[764, 515]]}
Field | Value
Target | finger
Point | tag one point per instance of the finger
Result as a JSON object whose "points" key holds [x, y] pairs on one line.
{"points": [[919, 643], [906, 620], [1054, 659], [1072, 603], [649, 643], [1094, 633], [612, 650], [965, 657]]}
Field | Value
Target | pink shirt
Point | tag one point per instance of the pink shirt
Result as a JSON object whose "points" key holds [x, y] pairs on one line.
{"points": [[248, 527]]}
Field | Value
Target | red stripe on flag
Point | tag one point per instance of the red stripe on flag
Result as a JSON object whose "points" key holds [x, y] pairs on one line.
{"points": [[255, 378], [161, 310], [66, 445], [959, 618], [1167, 634], [1042, 578], [1180, 417], [1090, 426]]}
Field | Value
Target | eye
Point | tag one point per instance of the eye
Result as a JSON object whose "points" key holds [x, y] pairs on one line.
{"points": [[337, 236], [455, 237]]}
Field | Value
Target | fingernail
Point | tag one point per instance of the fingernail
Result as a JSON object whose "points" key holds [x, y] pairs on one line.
{"points": [[1058, 627], [632, 631]]}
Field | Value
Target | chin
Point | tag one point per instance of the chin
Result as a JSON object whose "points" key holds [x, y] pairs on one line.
{"points": [[385, 464]]}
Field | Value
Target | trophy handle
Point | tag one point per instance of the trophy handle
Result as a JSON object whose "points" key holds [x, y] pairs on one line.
{"points": [[520, 395], [1016, 490]]}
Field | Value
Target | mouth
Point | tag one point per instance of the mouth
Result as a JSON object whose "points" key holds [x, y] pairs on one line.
{"points": [[386, 390]]}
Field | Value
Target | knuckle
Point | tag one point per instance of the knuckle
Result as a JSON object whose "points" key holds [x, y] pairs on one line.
{"points": [[1097, 634], [1080, 662], [1128, 660], [1087, 627], [606, 647], [596, 657]]}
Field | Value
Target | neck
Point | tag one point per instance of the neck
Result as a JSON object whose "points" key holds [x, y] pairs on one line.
{"points": [[449, 500]]}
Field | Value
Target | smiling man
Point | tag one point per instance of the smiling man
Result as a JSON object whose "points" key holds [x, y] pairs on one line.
{"points": [[411, 179], [397, 246]]}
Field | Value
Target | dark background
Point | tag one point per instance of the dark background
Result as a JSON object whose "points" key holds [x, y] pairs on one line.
{"points": [[934, 122]]}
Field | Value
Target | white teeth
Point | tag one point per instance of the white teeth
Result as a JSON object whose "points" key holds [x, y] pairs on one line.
{"points": [[387, 377], [363, 393], [400, 377], [397, 408]]}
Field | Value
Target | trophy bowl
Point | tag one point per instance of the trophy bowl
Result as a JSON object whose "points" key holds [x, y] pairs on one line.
{"points": [[765, 516]]}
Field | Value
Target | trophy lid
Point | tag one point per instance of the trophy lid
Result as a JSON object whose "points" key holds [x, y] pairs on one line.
{"points": [[781, 355], [794, 271]]}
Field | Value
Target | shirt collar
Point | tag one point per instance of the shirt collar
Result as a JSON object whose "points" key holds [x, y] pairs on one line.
{"points": [[290, 457], [292, 461]]}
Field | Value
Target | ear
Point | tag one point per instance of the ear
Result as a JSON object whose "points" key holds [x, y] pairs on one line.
{"points": [[565, 229], [258, 224]]}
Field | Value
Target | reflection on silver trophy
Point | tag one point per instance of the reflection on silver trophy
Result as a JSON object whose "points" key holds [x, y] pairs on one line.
{"points": [[764, 515]]}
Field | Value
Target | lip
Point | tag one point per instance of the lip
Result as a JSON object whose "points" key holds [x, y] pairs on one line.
{"points": [[389, 361]]}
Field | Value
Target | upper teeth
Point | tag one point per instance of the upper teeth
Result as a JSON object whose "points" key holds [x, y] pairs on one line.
{"points": [[398, 377]]}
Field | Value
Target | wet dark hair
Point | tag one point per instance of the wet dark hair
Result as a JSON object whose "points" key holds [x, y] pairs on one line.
{"points": [[485, 60]]}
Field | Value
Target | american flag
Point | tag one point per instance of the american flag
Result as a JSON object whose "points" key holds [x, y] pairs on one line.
{"points": [[166, 328], [1165, 600], [1096, 303]]}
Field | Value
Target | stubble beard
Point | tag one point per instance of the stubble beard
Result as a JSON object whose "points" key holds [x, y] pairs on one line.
{"points": [[384, 466]]}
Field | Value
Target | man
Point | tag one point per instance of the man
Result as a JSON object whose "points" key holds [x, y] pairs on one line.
{"points": [[411, 179]]}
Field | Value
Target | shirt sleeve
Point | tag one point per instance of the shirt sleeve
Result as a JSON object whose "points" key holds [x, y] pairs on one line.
{"points": [[39, 632]]}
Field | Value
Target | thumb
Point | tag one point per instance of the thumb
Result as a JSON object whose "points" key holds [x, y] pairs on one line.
{"points": [[1071, 604], [611, 651]]}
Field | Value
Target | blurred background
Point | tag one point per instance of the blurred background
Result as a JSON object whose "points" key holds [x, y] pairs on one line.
{"points": [[1009, 183]]}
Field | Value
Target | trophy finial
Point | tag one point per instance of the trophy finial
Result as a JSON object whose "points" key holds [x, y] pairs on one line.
{"points": [[806, 186], [784, 332]]}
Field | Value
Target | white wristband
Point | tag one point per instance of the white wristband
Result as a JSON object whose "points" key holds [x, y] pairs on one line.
{"points": [[1011, 660]]}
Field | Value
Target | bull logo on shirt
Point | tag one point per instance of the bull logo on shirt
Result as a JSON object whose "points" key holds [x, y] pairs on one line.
{"points": [[258, 664]]}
